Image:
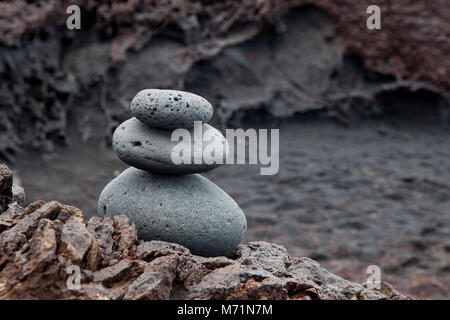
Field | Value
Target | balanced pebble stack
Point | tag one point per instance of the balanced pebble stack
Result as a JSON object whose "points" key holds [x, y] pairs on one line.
{"points": [[169, 201]]}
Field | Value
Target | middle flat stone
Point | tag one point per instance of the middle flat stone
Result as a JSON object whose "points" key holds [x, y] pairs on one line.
{"points": [[151, 149]]}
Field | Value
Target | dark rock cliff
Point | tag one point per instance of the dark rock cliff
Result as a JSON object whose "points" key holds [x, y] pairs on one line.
{"points": [[52, 77]]}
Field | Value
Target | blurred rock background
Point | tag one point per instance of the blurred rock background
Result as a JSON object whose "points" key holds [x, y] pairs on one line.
{"points": [[363, 115]]}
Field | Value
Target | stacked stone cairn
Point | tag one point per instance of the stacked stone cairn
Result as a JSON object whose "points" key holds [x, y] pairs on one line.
{"points": [[168, 201]]}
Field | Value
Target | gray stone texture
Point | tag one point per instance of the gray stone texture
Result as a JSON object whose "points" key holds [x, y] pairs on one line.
{"points": [[170, 109], [186, 209], [150, 148]]}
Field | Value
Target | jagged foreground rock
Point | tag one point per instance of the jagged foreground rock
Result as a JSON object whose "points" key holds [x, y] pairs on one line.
{"points": [[39, 242]]}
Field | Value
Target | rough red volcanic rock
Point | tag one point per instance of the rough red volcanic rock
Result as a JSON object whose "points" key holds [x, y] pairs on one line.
{"points": [[6, 184], [42, 244]]}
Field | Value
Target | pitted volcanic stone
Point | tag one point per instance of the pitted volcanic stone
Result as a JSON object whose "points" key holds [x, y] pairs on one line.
{"points": [[170, 109], [150, 148], [186, 209]]}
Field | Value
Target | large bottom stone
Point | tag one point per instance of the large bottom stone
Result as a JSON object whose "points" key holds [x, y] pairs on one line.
{"points": [[188, 209]]}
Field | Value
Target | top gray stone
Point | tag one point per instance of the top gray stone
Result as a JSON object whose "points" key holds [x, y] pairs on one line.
{"points": [[170, 109]]}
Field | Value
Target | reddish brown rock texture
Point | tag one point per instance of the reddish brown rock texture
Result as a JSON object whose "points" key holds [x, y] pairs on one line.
{"points": [[414, 40], [39, 243]]}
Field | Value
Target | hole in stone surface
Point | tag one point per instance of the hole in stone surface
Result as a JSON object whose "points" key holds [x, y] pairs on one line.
{"points": [[136, 143], [104, 209]]}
